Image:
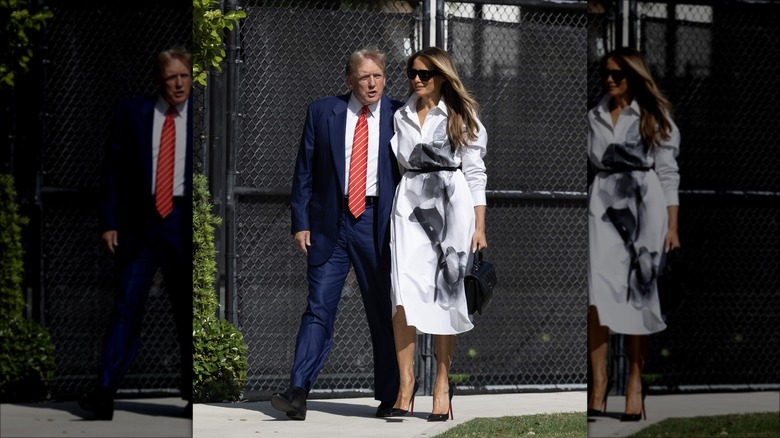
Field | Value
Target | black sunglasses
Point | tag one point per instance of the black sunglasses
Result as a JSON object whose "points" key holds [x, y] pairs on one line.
{"points": [[617, 75], [424, 75]]}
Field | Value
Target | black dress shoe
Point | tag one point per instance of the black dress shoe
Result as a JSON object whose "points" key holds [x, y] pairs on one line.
{"points": [[384, 409], [100, 402], [187, 412], [292, 402]]}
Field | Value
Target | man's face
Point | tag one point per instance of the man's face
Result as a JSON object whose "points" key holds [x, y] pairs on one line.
{"points": [[175, 82], [367, 82]]}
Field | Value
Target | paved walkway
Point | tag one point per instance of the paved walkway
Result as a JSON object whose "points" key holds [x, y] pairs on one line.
{"points": [[342, 418], [661, 407], [147, 417], [354, 417]]}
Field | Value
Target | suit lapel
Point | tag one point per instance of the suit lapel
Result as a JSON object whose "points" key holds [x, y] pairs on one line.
{"points": [[337, 127], [189, 152], [385, 126], [385, 134], [145, 125]]}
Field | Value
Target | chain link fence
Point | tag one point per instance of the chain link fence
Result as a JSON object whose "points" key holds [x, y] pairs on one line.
{"points": [[91, 56], [525, 64], [718, 63], [526, 67]]}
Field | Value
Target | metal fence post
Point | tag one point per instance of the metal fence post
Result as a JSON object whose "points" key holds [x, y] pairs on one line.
{"points": [[440, 18], [426, 23], [671, 39], [619, 23], [216, 174], [231, 135], [426, 370], [633, 19]]}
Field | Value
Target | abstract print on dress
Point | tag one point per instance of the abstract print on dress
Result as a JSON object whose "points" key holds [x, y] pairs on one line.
{"points": [[429, 194], [432, 223], [623, 191]]}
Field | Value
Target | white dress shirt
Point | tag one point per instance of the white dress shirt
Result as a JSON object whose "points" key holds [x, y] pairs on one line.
{"points": [[469, 157], [663, 158]]}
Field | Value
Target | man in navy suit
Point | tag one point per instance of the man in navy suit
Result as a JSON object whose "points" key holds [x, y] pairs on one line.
{"points": [[146, 219], [333, 237]]}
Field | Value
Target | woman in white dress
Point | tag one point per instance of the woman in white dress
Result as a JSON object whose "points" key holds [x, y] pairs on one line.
{"points": [[438, 219], [632, 218]]}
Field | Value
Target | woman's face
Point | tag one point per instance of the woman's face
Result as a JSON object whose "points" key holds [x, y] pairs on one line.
{"points": [[615, 81], [430, 88]]}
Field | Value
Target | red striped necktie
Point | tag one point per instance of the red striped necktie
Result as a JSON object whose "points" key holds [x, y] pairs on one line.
{"points": [[358, 166], [164, 180]]}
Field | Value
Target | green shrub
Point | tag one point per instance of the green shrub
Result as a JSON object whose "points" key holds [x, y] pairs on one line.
{"points": [[26, 360], [219, 362], [219, 353], [26, 351]]}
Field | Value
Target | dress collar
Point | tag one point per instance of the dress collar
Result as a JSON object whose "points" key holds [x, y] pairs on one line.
{"points": [[411, 105], [603, 107]]}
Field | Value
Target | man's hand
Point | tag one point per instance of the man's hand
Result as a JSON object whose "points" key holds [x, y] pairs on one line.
{"points": [[303, 241], [110, 240]]}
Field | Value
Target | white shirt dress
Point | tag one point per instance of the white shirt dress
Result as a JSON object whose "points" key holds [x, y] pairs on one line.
{"points": [[627, 219], [432, 223]]}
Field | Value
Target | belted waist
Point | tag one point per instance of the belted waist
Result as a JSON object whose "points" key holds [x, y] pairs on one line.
{"points": [[370, 200], [625, 169], [434, 169]]}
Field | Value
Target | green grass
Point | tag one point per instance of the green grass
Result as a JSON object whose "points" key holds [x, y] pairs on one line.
{"points": [[738, 425], [563, 425]]}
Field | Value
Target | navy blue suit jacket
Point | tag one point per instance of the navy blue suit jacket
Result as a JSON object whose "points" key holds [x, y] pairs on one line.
{"points": [[318, 183], [127, 203]]}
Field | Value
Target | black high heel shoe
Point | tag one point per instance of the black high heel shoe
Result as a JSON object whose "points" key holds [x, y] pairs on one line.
{"points": [[639, 416], [597, 413], [398, 412], [443, 417]]}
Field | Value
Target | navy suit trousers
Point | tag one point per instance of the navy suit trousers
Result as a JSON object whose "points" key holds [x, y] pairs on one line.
{"points": [[160, 247], [356, 246]]}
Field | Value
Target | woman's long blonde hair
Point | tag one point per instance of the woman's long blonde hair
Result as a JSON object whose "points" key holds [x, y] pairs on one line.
{"points": [[655, 125], [462, 109]]}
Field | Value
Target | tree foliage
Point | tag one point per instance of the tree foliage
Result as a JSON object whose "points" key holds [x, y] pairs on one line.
{"points": [[208, 27], [18, 23]]}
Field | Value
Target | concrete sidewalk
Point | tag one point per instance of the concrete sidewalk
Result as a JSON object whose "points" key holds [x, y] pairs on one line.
{"points": [[354, 417], [343, 418], [147, 417], [661, 407]]}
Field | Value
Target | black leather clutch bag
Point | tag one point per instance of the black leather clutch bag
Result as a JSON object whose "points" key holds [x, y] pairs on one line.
{"points": [[671, 290], [480, 283]]}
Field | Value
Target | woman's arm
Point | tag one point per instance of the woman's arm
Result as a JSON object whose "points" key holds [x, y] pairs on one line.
{"points": [[672, 240], [479, 241]]}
